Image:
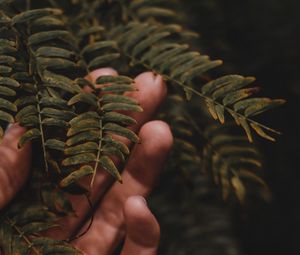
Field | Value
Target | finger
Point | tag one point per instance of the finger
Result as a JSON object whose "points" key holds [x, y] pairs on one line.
{"points": [[150, 92], [139, 178], [142, 228], [14, 164], [94, 75]]}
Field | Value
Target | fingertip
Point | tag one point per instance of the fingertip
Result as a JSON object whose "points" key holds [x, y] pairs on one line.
{"points": [[158, 135], [94, 75], [152, 81], [12, 135], [141, 225]]}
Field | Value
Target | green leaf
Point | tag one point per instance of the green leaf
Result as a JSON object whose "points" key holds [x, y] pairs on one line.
{"points": [[90, 30], [168, 54], [9, 82], [116, 88], [135, 37], [262, 106], [54, 122], [236, 96], [121, 107], [22, 101], [88, 98], [7, 91], [5, 69], [84, 82], [114, 79], [220, 113], [110, 98], [54, 52], [34, 14], [35, 227], [144, 44], [4, 19], [81, 148], [117, 129], [48, 23], [28, 136], [55, 144], [6, 116], [261, 132], [7, 50], [91, 135], [155, 12], [33, 213], [7, 60], [26, 111], [107, 164], [59, 81], [239, 188], [76, 175], [112, 151], [42, 37], [246, 127], [84, 116], [213, 85], [118, 118], [212, 109], [5, 104], [61, 250], [102, 60], [232, 86], [87, 124], [117, 144], [157, 50], [90, 48], [199, 70], [45, 241], [57, 114], [79, 159], [29, 121], [55, 63], [54, 102]]}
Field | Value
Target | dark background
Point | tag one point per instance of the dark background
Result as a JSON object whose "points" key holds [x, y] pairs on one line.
{"points": [[261, 38]]}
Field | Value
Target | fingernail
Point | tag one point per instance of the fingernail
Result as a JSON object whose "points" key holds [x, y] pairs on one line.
{"points": [[9, 126], [102, 72], [144, 200], [158, 79]]}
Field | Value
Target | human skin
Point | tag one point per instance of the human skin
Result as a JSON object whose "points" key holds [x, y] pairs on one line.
{"points": [[122, 213]]}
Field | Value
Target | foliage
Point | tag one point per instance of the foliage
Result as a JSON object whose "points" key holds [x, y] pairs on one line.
{"points": [[48, 47]]}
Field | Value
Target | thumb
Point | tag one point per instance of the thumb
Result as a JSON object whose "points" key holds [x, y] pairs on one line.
{"points": [[142, 229], [14, 163]]}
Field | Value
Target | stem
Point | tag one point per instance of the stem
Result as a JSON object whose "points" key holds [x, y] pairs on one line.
{"points": [[98, 153], [21, 234], [167, 77]]}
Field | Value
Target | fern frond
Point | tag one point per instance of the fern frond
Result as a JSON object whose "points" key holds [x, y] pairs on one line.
{"points": [[43, 104], [153, 48], [20, 229], [234, 162], [8, 69], [90, 134], [185, 155]]}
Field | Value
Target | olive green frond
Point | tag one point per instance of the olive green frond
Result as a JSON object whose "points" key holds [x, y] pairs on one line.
{"points": [[153, 47], [233, 161], [91, 136], [20, 230]]}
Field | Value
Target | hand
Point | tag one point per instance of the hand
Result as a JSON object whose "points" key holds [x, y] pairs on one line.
{"points": [[122, 211]]}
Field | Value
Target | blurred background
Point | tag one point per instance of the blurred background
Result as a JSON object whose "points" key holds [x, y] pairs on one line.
{"points": [[258, 38], [261, 38]]}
